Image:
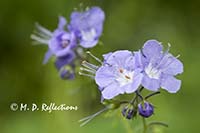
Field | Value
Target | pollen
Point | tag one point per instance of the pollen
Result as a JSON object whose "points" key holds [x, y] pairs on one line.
{"points": [[121, 70], [127, 77]]}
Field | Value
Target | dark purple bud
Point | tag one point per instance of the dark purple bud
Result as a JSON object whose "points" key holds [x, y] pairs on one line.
{"points": [[65, 60], [129, 112], [145, 110], [67, 73]]}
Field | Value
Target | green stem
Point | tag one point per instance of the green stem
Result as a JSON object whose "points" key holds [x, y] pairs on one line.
{"points": [[144, 125]]}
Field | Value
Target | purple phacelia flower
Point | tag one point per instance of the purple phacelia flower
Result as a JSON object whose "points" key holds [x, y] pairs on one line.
{"points": [[65, 60], [87, 26], [159, 68], [60, 42], [118, 74], [145, 110]]}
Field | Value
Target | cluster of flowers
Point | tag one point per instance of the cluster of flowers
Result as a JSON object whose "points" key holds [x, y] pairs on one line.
{"points": [[124, 71], [120, 72], [84, 30]]}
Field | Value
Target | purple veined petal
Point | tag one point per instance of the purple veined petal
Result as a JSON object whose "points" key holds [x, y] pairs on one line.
{"points": [[130, 63], [119, 58], [111, 91], [174, 67], [62, 23], [87, 26], [150, 83], [98, 14], [137, 79], [88, 44], [104, 76], [138, 59], [152, 50], [106, 56], [47, 56], [170, 83], [62, 61]]}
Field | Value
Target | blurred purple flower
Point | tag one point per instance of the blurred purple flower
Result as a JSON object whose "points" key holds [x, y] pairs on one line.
{"points": [[60, 42], [67, 72], [118, 75], [159, 67], [87, 26], [146, 110], [65, 60]]}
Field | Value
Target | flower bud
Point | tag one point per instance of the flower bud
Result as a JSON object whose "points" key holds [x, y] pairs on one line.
{"points": [[129, 112], [145, 110], [66, 74]]}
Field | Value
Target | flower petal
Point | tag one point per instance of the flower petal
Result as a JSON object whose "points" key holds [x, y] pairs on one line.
{"points": [[62, 61], [138, 59], [62, 23], [47, 56], [137, 79], [88, 44], [150, 83], [174, 67], [104, 76], [118, 58], [170, 83], [111, 91], [152, 49]]}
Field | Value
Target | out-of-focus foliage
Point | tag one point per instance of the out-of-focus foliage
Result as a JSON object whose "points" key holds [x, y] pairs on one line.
{"points": [[128, 24]]}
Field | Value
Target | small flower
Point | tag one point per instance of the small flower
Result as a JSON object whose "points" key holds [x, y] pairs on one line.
{"points": [[118, 74], [145, 110], [87, 26], [60, 42], [129, 112], [159, 68]]}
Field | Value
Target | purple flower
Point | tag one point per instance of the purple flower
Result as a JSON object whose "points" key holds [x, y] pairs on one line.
{"points": [[60, 42], [159, 68], [65, 60], [118, 75], [87, 26], [146, 110]]}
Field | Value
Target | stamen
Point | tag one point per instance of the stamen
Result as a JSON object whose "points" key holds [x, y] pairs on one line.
{"points": [[43, 30], [41, 34], [89, 65], [121, 70], [39, 39], [97, 59], [89, 118], [127, 77], [88, 70], [178, 56], [85, 74]]}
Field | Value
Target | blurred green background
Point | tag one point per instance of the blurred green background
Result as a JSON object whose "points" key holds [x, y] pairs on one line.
{"points": [[129, 23]]}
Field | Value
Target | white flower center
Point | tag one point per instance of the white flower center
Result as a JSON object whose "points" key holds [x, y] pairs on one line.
{"points": [[152, 72], [88, 35], [124, 77]]}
